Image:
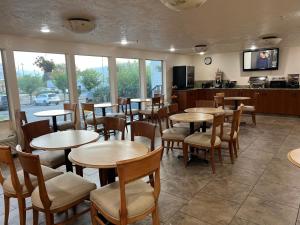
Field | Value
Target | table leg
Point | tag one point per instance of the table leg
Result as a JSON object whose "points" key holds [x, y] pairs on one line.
{"points": [[79, 170], [236, 103], [204, 126], [54, 123], [103, 111], [107, 176], [192, 127], [139, 105], [69, 166]]}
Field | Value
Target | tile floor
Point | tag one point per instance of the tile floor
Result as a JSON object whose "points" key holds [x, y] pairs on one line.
{"points": [[261, 188]]}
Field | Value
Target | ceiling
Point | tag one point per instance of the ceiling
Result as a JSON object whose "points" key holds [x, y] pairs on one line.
{"points": [[225, 25]]}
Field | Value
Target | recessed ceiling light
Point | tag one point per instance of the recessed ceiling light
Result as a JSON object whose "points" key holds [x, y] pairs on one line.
{"points": [[124, 42], [201, 53], [253, 47], [45, 29], [172, 49]]}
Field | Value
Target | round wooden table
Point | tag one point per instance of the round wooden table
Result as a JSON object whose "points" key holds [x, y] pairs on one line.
{"points": [[236, 100], [64, 140], [206, 110], [140, 101], [104, 155], [103, 106], [53, 114], [192, 118], [294, 157]]}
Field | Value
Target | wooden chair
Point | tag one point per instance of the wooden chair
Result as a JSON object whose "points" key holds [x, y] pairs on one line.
{"points": [[89, 117], [151, 113], [114, 124], [170, 134], [220, 102], [130, 199], [55, 195], [206, 141], [231, 135], [36, 129], [251, 109], [21, 117], [241, 108], [143, 129], [174, 109], [121, 109], [71, 124], [14, 185]]}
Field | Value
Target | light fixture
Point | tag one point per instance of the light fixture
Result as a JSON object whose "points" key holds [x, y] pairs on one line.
{"points": [[253, 47], [124, 42], [200, 49], [45, 29], [80, 25], [201, 53], [172, 49], [179, 5], [271, 40]]}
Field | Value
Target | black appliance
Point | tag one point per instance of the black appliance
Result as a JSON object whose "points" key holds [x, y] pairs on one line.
{"points": [[278, 82], [258, 82], [183, 77], [293, 81]]}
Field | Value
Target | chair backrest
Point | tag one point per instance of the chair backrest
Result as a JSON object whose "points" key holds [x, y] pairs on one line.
{"points": [[205, 103], [217, 128], [143, 129], [173, 109], [86, 109], [234, 123], [134, 169], [219, 101], [124, 105], [21, 117], [7, 159], [240, 108], [32, 166], [115, 124], [156, 101], [220, 94], [72, 107], [163, 116], [33, 130]]}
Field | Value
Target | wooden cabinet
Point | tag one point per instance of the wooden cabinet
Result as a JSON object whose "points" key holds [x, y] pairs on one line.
{"points": [[270, 101]]}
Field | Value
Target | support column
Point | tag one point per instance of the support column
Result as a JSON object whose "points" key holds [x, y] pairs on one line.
{"points": [[113, 79], [143, 78]]}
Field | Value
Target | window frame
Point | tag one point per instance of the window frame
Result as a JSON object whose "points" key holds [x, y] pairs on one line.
{"points": [[162, 73], [5, 83]]}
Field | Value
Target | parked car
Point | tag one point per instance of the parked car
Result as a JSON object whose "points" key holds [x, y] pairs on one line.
{"points": [[3, 102], [46, 99]]}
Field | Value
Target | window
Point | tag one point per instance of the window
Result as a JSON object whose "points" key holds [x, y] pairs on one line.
{"points": [[154, 75], [92, 79], [4, 113], [43, 82], [128, 78]]}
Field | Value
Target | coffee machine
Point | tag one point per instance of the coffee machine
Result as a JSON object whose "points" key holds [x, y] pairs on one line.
{"points": [[219, 79]]}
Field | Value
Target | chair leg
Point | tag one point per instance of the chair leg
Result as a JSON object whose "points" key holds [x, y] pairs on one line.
{"points": [[220, 154], [235, 148], [155, 216], [212, 160], [185, 153], [22, 210], [237, 142], [49, 218], [93, 214], [253, 118], [163, 149], [230, 151], [172, 146], [35, 217], [6, 209], [168, 146]]}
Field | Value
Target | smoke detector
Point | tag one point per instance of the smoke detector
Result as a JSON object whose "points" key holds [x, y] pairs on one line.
{"points": [[200, 48], [80, 25], [271, 40]]}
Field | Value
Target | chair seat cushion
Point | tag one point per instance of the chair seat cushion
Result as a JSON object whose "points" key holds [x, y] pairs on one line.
{"points": [[66, 125], [63, 190], [202, 140], [177, 134], [90, 121], [248, 108], [47, 172], [226, 134], [51, 159], [116, 114], [139, 198], [228, 112], [181, 125]]}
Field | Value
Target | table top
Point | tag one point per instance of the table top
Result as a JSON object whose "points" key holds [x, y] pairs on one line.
{"points": [[141, 100], [294, 157], [207, 110], [56, 112], [191, 117], [104, 105], [64, 139], [106, 154], [237, 98]]}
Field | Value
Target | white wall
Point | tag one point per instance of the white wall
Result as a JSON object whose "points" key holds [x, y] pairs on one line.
{"points": [[231, 64], [9, 43]]}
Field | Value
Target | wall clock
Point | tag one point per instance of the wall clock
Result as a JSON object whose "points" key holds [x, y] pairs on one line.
{"points": [[208, 60]]}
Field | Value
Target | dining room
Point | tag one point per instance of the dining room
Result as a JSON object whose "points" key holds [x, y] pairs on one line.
{"points": [[149, 112]]}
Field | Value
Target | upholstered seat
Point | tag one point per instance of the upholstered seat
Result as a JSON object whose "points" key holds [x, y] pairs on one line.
{"points": [[175, 134], [226, 135], [139, 198], [48, 173], [65, 125], [51, 159], [181, 125], [90, 120], [200, 139], [116, 114], [228, 112], [63, 190], [248, 108]]}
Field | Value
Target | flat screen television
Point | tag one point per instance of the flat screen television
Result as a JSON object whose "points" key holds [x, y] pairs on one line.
{"points": [[261, 59]]}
